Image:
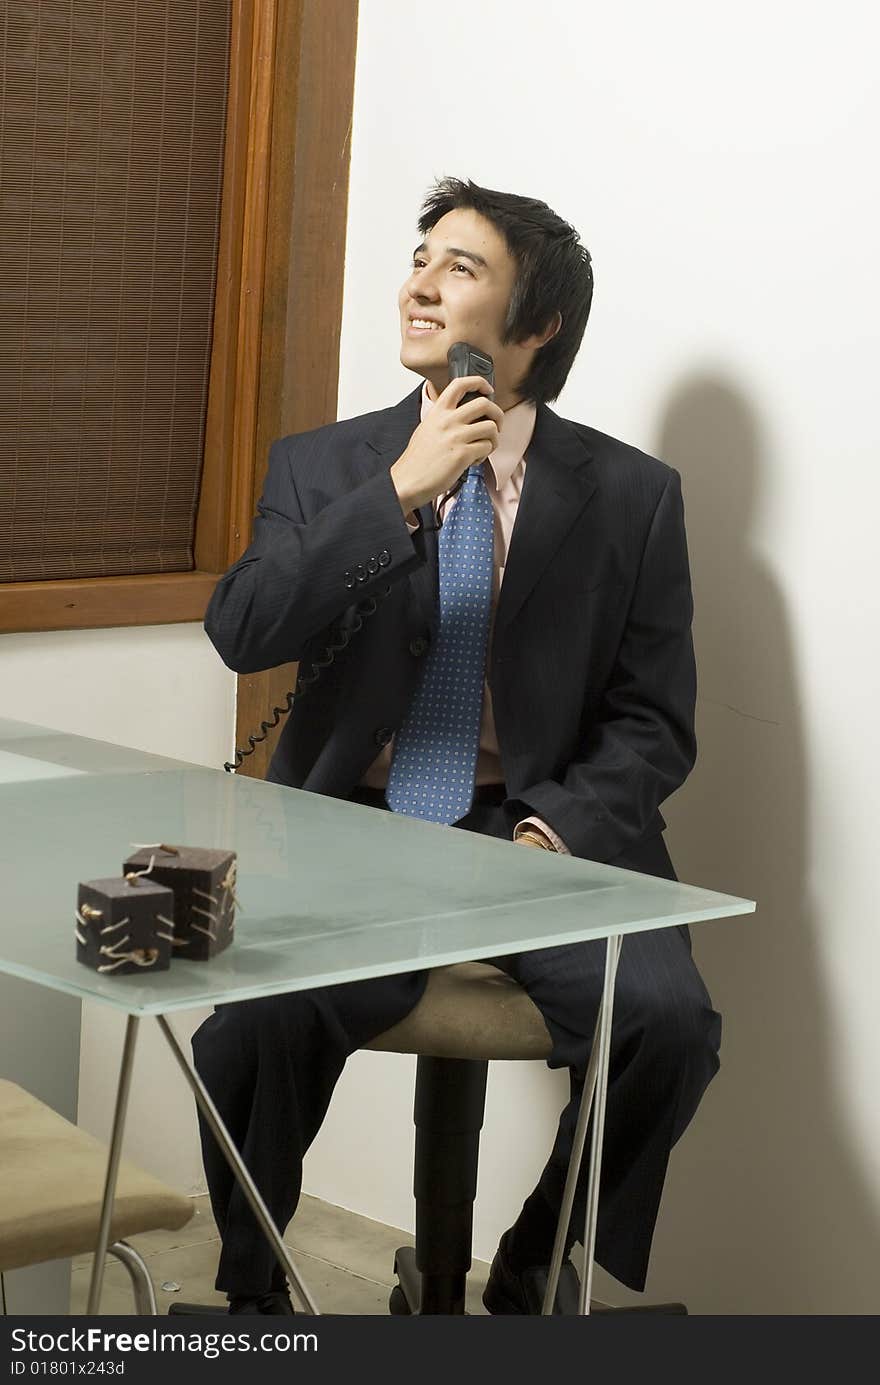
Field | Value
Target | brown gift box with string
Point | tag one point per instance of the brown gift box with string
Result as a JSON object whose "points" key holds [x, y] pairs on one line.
{"points": [[124, 926], [203, 881]]}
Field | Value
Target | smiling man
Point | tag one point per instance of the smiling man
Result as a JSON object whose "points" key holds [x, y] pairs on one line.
{"points": [[528, 674]]}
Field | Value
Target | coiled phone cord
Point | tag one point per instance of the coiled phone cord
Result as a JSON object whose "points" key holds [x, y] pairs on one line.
{"points": [[338, 642]]}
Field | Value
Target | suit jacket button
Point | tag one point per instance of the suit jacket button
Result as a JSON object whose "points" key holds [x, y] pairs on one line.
{"points": [[349, 580], [384, 558], [382, 736], [373, 565], [418, 646]]}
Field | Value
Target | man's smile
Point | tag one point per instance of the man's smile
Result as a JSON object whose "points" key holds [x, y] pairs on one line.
{"points": [[418, 326]]}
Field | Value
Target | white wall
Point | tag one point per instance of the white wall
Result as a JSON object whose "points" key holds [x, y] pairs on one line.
{"points": [[719, 167], [159, 688]]}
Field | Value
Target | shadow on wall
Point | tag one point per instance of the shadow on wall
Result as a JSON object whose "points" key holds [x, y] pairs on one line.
{"points": [[768, 1208]]}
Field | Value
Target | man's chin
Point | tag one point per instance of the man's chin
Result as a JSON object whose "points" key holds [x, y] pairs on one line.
{"points": [[418, 355]]}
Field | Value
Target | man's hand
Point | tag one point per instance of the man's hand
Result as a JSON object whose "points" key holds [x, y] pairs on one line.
{"points": [[447, 442]]}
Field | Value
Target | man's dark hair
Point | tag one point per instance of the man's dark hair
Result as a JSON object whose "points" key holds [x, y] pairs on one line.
{"points": [[553, 275]]}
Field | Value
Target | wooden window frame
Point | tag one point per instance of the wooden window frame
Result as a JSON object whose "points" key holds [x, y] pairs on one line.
{"points": [[275, 342]]}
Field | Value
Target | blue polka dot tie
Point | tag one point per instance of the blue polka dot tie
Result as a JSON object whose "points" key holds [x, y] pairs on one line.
{"points": [[435, 751]]}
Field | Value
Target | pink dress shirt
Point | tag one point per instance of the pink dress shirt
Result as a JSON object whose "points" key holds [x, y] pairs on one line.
{"points": [[504, 471]]}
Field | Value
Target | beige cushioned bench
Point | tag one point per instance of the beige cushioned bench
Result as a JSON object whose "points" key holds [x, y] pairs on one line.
{"points": [[51, 1188]]}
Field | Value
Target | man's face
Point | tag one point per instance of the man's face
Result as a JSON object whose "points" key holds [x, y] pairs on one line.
{"points": [[461, 282]]}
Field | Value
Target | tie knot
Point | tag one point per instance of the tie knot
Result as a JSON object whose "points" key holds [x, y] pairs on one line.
{"points": [[475, 472]]}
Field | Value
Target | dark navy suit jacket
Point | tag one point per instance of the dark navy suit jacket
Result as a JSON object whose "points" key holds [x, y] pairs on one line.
{"points": [[591, 663]]}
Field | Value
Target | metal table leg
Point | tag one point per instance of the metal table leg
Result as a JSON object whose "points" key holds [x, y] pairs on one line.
{"points": [[122, 1091], [612, 956], [248, 1187], [596, 1080]]}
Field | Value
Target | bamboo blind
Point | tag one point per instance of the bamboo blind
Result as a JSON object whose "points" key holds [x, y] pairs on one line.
{"points": [[111, 144]]}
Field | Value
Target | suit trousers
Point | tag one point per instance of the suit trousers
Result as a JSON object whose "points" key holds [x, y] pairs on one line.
{"points": [[271, 1066]]}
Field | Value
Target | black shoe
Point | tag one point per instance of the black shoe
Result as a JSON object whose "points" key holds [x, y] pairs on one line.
{"points": [[276, 1302], [522, 1291]]}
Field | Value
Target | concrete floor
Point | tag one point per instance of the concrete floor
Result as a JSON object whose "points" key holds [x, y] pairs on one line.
{"points": [[346, 1260]]}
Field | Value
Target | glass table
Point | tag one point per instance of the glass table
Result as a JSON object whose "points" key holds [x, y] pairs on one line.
{"points": [[30, 752], [328, 892]]}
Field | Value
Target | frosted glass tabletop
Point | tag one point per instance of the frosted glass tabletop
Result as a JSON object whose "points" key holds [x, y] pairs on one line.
{"points": [[35, 752], [329, 891]]}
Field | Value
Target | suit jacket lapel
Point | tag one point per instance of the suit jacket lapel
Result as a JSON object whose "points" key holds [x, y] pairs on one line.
{"points": [[390, 438], [556, 488]]}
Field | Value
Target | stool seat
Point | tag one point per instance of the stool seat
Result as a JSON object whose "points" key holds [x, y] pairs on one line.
{"points": [[470, 1010], [52, 1187]]}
